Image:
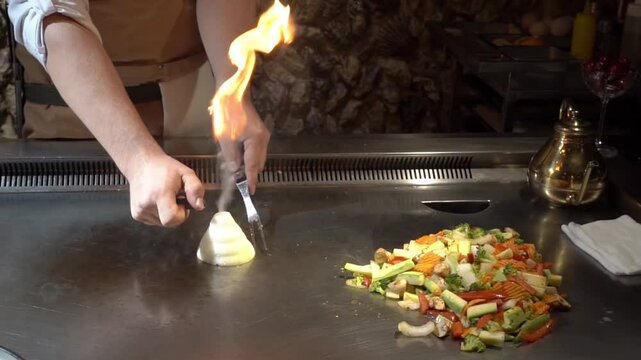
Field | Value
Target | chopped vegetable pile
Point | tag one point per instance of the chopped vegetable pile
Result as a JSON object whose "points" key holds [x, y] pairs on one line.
{"points": [[484, 287]]}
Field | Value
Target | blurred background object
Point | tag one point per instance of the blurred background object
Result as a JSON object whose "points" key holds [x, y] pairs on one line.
{"points": [[387, 66], [7, 90]]}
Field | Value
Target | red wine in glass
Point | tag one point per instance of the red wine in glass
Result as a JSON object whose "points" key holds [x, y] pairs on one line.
{"points": [[608, 78]]}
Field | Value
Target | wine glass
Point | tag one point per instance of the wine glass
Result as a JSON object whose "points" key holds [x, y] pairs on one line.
{"points": [[608, 78]]}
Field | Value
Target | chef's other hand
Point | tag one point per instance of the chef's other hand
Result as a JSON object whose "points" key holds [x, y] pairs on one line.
{"points": [[153, 188], [253, 152]]}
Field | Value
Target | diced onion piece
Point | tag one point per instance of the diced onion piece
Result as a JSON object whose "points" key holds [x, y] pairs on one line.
{"points": [[467, 275], [486, 267], [531, 264], [409, 305], [488, 248], [509, 304], [415, 331]]}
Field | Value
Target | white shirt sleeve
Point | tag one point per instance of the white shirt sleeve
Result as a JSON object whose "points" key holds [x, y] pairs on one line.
{"points": [[27, 17]]}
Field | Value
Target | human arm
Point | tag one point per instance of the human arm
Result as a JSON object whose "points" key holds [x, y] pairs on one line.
{"points": [[220, 22], [84, 75]]}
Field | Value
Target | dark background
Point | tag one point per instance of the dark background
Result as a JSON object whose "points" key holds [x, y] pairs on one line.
{"points": [[373, 66]]}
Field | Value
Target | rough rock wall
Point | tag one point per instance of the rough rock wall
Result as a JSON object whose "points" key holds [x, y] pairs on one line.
{"points": [[364, 66], [7, 98], [356, 66]]}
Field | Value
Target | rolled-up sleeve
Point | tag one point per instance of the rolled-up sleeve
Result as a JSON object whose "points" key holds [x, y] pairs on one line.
{"points": [[27, 17]]}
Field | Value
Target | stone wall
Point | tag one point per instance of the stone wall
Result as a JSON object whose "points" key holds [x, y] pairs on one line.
{"points": [[356, 66], [364, 66], [7, 98]]}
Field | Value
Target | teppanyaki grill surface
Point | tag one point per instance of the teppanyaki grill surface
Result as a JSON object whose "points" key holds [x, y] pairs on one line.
{"points": [[80, 280]]}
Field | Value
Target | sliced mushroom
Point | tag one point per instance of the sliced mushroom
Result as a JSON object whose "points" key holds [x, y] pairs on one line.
{"points": [[508, 235], [381, 256], [483, 239], [557, 302], [443, 326], [439, 281], [514, 233], [441, 269], [436, 303], [397, 286]]}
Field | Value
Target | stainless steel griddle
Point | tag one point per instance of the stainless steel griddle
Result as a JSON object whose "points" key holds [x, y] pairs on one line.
{"points": [[79, 279]]}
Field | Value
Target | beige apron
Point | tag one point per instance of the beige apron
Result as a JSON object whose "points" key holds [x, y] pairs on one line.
{"points": [[149, 41]]}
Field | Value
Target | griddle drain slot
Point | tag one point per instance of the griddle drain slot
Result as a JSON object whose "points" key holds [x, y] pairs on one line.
{"points": [[458, 206], [368, 169], [92, 174]]}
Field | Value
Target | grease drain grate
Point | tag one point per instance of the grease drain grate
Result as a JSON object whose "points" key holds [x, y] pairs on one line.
{"points": [[102, 174]]}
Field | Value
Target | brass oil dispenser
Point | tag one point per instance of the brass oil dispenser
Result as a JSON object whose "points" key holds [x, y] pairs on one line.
{"points": [[568, 169]]}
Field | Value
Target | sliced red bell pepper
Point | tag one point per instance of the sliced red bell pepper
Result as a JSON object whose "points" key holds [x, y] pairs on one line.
{"points": [[498, 317], [539, 333], [518, 256], [484, 320], [367, 281], [424, 304], [499, 248], [529, 249], [482, 294], [523, 283], [539, 268], [470, 258], [457, 330], [396, 259]]}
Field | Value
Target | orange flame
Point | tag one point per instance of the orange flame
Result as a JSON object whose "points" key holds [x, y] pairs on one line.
{"points": [[229, 119]]}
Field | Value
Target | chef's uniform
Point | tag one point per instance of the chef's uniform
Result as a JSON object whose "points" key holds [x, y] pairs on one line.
{"points": [[155, 46]]}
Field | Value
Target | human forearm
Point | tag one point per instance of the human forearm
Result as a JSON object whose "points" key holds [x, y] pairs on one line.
{"points": [[220, 22], [88, 82]]}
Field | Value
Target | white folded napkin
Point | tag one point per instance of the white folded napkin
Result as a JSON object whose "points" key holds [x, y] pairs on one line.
{"points": [[616, 244]]}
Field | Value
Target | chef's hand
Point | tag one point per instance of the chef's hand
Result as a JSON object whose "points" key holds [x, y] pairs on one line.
{"points": [[251, 152], [154, 184]]}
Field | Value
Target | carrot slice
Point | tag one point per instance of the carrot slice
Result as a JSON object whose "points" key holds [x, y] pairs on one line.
{"points": [[511, 289], [518, 265], [426, 263], [523, 283], [540, 308], [426, 239]]}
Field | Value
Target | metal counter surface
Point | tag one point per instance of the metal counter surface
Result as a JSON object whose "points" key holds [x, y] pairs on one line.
{"points": [[304, 144], [80, 280]]}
